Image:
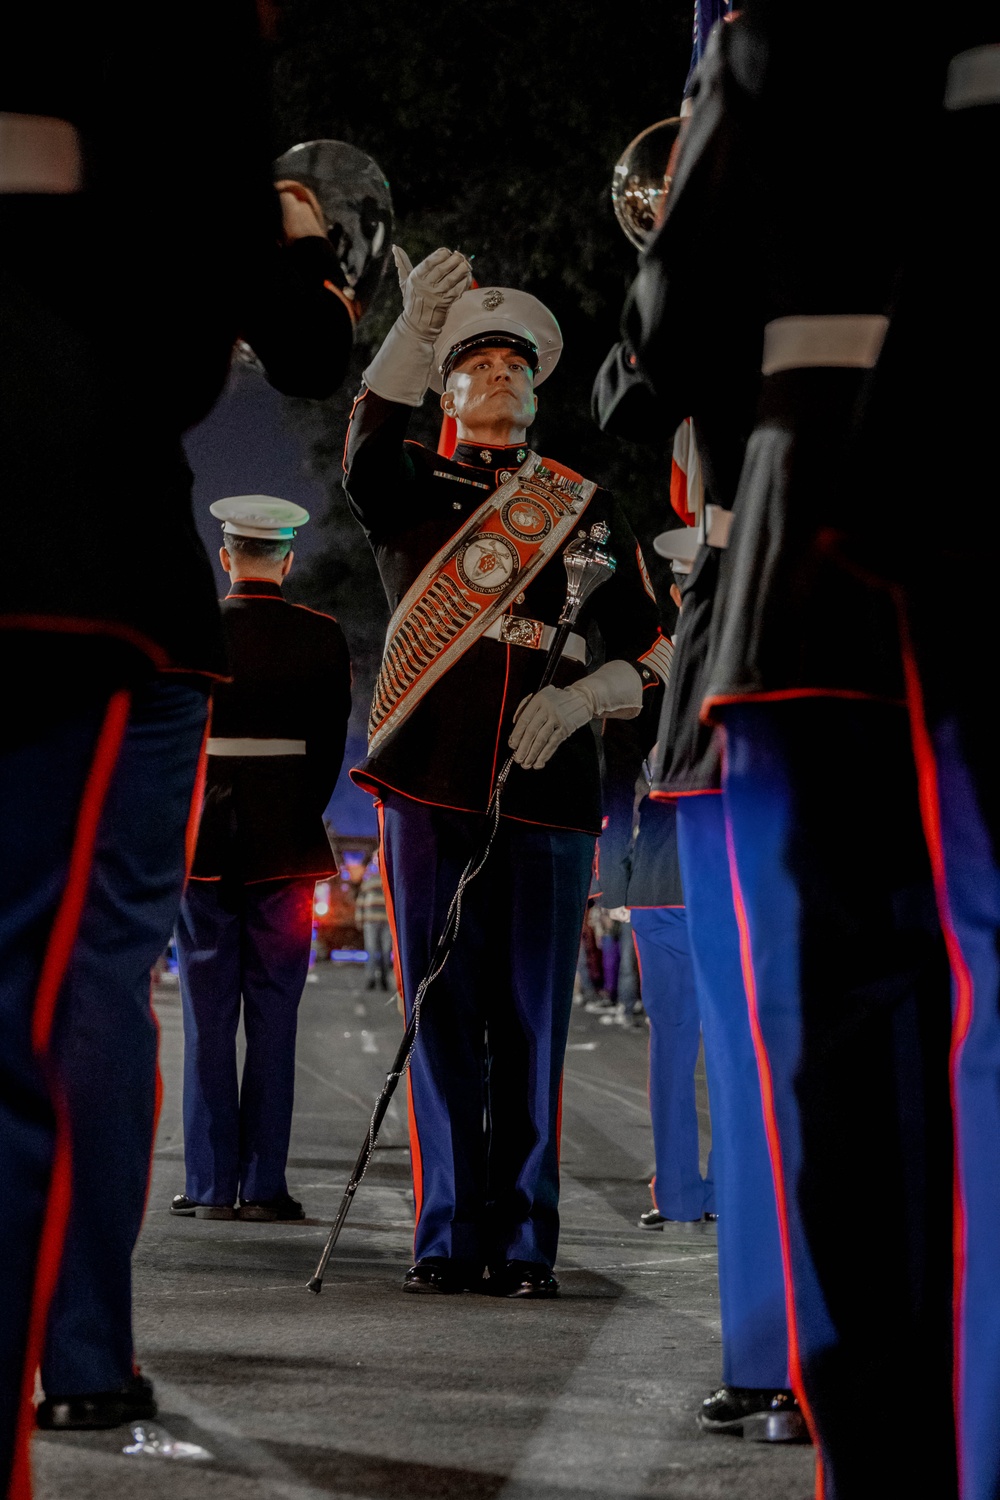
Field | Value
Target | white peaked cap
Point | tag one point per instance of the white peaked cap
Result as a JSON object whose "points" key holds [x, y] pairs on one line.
{"points": [[260, 516], [679, 546], [499, 310]]}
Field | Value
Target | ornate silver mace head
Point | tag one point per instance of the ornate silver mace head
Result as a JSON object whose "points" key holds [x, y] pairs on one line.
{"points": [[588, 564]]}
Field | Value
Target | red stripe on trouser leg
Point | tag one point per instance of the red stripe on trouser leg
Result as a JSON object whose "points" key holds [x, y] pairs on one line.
{"points": [[416, 1160], [197, 797], [773, 1147], [54, 966], [930, 813]]}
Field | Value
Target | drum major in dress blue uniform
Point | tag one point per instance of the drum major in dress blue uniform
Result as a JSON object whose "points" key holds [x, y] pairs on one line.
{"points": [[494, 1028]]}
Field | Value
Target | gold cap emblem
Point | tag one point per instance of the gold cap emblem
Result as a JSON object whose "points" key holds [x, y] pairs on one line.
{"points": [[493, 299]]}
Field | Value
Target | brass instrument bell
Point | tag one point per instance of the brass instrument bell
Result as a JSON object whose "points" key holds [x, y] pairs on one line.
{"points": [[640, 183]]}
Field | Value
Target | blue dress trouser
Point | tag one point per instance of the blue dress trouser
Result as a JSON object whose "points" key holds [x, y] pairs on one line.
{"points": [[89, 909], [236, 943], [671, 1003], [751, 1281], [962, 840], [486, 1076], [847, 978]]}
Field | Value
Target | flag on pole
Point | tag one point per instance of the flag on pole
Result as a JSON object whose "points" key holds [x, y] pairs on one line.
{"points": [[687, 490], [706, 14], [448, 436]]}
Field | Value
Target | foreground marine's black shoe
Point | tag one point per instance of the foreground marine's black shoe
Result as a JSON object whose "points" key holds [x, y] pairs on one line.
{"points": [[281, 1210], [188, 1208], [135, 1402], [760, 1416], [522, 1278], [441, 1275]]}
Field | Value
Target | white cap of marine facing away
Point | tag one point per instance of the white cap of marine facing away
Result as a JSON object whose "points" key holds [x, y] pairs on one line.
{"points": [[490, 317], [261, 516]]}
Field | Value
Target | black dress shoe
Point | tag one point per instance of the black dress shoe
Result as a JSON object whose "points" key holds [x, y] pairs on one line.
{"points": [[522, 1278], [710, 1216], [135, 1402], [761, 1416], [187, 1208], [653, 1219], [281, 1210], [443, 1275]]}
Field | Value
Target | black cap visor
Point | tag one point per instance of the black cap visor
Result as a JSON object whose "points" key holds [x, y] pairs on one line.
{"points": [[496, 340]]}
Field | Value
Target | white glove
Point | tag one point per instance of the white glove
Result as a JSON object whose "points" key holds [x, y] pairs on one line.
{"points": [[430, 288], [543, 721], [401, 369]]}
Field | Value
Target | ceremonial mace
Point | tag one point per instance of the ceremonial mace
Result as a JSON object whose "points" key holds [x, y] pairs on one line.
{"points": [[588, 564]]}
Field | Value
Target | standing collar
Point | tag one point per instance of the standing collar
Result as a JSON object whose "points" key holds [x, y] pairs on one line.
{"points": [[505, 456], [254, 588]]}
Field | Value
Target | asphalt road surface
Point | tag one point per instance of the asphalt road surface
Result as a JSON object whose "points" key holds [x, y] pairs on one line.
{"points": [[366, 1394]]}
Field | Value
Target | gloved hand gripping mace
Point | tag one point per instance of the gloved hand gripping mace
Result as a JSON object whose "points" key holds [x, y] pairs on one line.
{"points": [[588, 564]]}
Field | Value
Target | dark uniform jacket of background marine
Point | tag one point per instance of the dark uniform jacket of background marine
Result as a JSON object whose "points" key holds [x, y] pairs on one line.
{"points": [[120, 305], [829, 208], [690, 347], [410, 501], [263, 815]]}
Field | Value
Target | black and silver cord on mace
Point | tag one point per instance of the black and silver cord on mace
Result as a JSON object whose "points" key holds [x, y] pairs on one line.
{"points": [[588, 564]]}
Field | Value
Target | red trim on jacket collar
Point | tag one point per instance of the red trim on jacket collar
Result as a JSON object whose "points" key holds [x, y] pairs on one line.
{"points": [[254, 588]]}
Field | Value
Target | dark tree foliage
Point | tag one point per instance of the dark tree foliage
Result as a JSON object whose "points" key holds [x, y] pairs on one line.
{"points": [[498, 124]]}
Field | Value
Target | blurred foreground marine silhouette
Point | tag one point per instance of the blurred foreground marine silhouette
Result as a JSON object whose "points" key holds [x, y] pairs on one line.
{"points": [[128, 268], [806, 670], [245, 928], [468, 549]]}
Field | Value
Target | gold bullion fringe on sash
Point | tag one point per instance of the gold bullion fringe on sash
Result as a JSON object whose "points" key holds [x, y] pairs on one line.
{"points": [[441, 616]]}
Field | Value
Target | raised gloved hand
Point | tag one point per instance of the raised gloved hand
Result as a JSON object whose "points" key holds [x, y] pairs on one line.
{"points": [[547, 718], [430, 288], [401, 369]]}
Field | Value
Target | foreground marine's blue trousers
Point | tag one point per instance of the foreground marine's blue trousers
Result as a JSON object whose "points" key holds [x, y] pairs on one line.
{"points": [[751, 1281], [670, 1000], [847, 978], [962, 842], [251, 943], [95, 811], [493, 1027]]}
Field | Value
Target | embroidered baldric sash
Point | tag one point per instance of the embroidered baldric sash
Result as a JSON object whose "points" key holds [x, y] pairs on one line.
{"points": [[471, 581]]}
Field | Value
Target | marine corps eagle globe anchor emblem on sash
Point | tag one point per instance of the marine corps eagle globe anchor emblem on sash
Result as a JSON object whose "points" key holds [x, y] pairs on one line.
{"points": [[470, 582]]}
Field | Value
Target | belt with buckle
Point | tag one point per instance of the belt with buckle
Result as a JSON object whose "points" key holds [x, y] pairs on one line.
{"points": [[518, 630], [245, 745]]}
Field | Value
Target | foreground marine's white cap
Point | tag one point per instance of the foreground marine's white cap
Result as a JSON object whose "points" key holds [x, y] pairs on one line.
{"points": [[487, 315], [261, 516], [679, 547]]}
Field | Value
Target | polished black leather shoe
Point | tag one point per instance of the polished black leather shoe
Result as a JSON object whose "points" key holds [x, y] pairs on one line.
{"points": [[441, 1275], [710, 1217], [522, 1278], [760, 1416], [135, 1402], [281, 1210], [653, 1219], [187, 1208]]}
